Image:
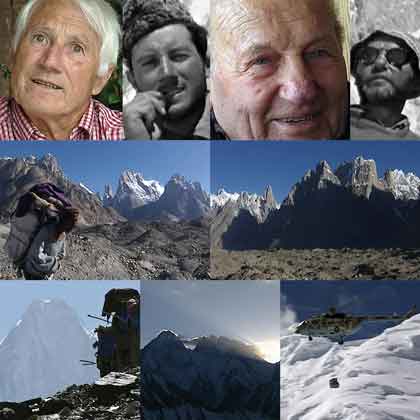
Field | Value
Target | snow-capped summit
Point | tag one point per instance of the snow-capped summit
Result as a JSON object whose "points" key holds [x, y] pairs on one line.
{"points": [[403, 186], [222, 197], [42, 353], [378, 377], [133, 191], [257, 205]]}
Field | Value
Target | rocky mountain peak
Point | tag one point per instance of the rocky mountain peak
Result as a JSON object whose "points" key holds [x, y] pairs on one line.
{"points": [[269, 197], [108, 194], [360, 175], [50, 163], [403, 186], [133, 191]]}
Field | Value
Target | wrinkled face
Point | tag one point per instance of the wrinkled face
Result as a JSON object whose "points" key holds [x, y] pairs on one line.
{"points": [[166, 60], [279, 73], [54, 71], [382, 79]]}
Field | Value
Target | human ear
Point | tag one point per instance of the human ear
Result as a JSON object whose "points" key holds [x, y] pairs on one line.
{"points": [[101, 81]]}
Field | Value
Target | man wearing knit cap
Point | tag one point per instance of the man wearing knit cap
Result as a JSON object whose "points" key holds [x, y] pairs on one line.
{"points": [[165, 51], [386, 70]]}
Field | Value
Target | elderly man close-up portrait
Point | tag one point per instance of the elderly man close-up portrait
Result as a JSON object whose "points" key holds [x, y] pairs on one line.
{"points": [[165, 53], [278, 70], [63, 53]]}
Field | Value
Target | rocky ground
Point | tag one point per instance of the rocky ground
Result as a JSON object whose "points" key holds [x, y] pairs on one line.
{"points": [[130, 250], [106, 401], [322, 264]]}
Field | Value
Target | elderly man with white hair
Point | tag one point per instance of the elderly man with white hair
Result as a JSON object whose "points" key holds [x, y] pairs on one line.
{"points": [[63, 52]]}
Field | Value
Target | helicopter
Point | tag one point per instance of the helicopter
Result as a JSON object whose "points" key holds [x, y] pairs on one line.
{"points": [[337, 325]]}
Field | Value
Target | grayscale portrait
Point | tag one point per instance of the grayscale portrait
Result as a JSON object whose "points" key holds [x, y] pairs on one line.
{"points": [[385, 86], [165, 86]]}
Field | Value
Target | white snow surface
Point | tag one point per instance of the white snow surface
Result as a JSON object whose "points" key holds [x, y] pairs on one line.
{"points": [[379, 377], [143, 189], [86, 188], [405, 186], [222, 197], [41, 354], [255, 204]]}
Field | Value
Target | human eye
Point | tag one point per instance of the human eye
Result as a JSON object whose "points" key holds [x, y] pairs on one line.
{"points": [[78, 49], [262, 60], [39, 38], [179, 57], [318, 53]]}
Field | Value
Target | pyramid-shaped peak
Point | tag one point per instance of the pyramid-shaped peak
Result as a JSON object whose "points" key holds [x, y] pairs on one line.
{"points": [[167, 335]]}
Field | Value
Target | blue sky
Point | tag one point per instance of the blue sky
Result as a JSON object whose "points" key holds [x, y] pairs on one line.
{"points": [[98, 163], [358, 297], [85, 297], [248, 310], [251, 166]]}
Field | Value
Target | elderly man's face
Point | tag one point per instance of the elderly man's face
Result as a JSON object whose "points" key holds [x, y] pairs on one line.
{"points": [[167, 60], [383, 79], [54, 70], [279, 72]]}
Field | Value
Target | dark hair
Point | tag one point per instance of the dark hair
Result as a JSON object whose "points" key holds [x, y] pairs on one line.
{"points": [[198, 36]]}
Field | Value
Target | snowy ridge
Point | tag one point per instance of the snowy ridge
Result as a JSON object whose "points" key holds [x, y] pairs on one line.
{"points": [[133, 183], [403, 186], [379, 377], [86, 188], [257, 205], [222, 197], [133, 192]]}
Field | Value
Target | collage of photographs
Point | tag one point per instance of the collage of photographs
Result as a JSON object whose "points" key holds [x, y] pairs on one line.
{"points": [[209, 210]]}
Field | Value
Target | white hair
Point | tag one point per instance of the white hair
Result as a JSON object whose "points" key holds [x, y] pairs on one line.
{"points": [[101, 17]]}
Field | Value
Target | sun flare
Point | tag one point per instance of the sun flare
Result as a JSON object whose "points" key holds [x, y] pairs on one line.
{"points": [[269, 349]]}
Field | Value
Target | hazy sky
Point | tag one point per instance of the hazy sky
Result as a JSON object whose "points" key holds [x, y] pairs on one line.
{"points": [[251, 166], [98, 163], [246, 310], [85, 297]]}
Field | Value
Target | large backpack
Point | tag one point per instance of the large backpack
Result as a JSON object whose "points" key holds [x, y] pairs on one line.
{"points": [[32, 211]]}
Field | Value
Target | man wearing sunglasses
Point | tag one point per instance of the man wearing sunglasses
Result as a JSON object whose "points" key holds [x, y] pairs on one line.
{"points": [[386, 70]]}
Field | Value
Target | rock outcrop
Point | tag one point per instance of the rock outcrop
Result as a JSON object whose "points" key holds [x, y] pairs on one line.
{"points": [[350, 207]]}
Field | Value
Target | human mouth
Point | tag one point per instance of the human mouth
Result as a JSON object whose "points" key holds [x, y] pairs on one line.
{"points": [[47, 84], [297, 119]]}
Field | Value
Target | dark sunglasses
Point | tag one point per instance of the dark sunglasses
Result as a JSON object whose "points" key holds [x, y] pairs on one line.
{"points": [[395, 56]]}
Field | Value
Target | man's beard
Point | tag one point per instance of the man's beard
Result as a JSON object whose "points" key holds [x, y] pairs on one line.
{"points": [[375, 95]]}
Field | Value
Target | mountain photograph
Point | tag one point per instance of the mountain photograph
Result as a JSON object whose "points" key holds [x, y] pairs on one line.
{"points": [[52, 362], [213, 353], [373, 374], [352, 214], [148, 228]]}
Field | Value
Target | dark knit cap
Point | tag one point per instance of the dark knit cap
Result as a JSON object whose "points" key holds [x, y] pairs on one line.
{"points": [[141, 17]]}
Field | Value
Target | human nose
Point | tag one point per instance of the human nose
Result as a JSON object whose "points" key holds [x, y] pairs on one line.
{"points": [[51, 59], [381, 61], [167, 67], [297, 83]]}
